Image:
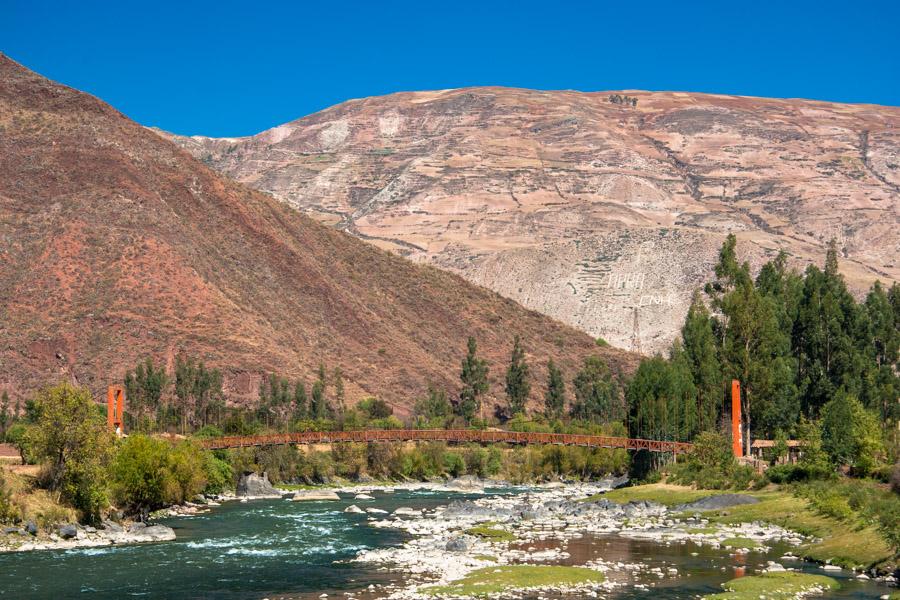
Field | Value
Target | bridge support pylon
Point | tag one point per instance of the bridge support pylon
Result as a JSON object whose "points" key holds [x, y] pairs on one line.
{"points": [[115, 409], [737, 441]]}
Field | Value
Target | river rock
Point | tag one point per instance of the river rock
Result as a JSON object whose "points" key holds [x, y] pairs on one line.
{"points": [[256, 485], [112, 526], [466, 483], [155, 533], [354, 509], [31, 527], [12, 530], [363, 497], [136, 526], [312, 495], [456, 544], [67, 532]]}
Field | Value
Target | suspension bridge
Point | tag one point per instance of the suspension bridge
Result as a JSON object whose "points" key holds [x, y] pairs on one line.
{"points": [[446, 435]]}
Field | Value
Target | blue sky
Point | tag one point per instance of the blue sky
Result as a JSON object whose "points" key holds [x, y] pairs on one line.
{"points": [[235, 68]]}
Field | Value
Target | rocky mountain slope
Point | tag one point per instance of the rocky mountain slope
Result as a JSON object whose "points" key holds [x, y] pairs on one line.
{"points": [[118, 245], [596, 211]]}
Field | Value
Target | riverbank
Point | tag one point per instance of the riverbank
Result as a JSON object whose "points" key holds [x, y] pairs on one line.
{"points": [[452, 548], [830, 541]]}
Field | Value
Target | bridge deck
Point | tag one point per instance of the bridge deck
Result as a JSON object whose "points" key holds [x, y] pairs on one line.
{"points": [[446, 435]]}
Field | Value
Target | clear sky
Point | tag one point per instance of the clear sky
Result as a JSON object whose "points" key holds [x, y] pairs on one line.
{"points": [[228, 68]]}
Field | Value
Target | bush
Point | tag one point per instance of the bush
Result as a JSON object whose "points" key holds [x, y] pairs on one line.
{"points": [[796, 473], [218, 474], [150, 473], [8, 511]]}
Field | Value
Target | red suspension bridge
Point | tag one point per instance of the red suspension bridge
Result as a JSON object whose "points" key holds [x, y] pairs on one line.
{"points": [[446, 435]]}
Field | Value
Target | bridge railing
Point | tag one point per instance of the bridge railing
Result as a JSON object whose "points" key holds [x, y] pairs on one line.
{"points": [[446, 435]]}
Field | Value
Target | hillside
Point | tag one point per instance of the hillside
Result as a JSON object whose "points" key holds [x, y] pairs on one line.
{"points": [[600, 213], [118, 245]]}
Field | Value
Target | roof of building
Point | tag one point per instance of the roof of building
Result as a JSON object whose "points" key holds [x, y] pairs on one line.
{"points": [[771, 443]]}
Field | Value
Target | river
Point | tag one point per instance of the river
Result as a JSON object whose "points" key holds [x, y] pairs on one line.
{"points": [[279, 549]]}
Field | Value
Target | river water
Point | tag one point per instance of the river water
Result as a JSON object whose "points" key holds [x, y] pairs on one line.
{"points": [[279, 549]]}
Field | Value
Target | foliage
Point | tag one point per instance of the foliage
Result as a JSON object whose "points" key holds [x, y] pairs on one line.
{"points": [[850, 434], [711, 465], [149, 473], [555, 396], [434, 409], [8, 512], [144, 387], [517, 385], [597, 394], [375, 408], [662, 399], [70, 439], [199, 392], [700, 351], [474, 377], [17, 436]]}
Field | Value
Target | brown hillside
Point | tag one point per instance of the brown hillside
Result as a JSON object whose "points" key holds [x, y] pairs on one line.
{"points": [[118, 245], [599, 213]]}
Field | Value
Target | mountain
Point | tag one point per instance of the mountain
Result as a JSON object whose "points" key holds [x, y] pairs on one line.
{"points": [[584, 206], [118, 245]]}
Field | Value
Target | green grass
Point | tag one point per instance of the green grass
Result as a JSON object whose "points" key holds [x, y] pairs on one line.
{"points": [[495, 580], [741, 542], [696, 530], [663, 493], [841, 543], [773, 586], [485, 531]]}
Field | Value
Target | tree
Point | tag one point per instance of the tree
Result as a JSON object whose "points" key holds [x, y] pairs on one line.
{"points": [[70, 437], [596, 393], [517, 385], [144, 387], [702, 355], [319, 404], [300, 400], [753, 347], [850, 434], [662, 399], [435, 406], [555, 397], [474, 376], [339, 389], [199, 392]]}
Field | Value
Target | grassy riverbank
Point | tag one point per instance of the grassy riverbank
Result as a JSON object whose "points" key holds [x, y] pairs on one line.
{"points": [[774, 586], [848, 544], [496, 580]]}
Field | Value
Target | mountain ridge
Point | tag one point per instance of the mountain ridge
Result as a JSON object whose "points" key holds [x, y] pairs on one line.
{"points": [[120, 246], [602, 215]]}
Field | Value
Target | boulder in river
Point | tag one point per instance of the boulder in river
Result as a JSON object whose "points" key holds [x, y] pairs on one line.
{"points": [[67, 532], [354, 509], [311, 495], [466, 483], [256, 485]]}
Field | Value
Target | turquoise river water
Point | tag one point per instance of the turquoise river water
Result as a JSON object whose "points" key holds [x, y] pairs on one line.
{"points": [[279, 549]]}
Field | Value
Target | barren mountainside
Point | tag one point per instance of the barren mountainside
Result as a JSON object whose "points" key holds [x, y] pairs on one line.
{"points": [[600, 213], [118, 245]]}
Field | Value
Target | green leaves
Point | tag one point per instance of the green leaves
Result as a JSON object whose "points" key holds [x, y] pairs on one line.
{"points": [[517, 385]]}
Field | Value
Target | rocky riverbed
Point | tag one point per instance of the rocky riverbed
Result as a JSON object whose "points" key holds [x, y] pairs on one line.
{"points": [[450, 543]]}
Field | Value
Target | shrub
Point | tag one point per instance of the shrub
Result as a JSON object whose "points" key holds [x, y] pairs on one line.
{"points": [[150, 473], [218, 474], [454, 464], [8, 511]]}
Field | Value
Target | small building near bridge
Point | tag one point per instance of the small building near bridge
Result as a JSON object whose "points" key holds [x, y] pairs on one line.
{"points": [[762, 450]]}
